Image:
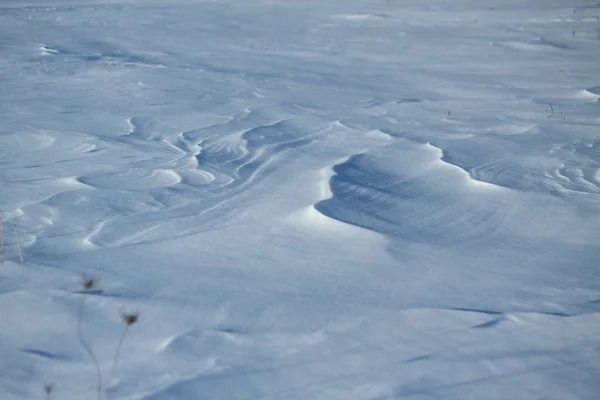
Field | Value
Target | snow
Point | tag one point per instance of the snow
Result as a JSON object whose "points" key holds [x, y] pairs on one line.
{"points": [[304, 200]]}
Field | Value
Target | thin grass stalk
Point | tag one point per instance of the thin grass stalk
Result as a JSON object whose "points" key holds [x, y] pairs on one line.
{"points": [[116, 358], [2, 257], [89, 350], [18, 242]]}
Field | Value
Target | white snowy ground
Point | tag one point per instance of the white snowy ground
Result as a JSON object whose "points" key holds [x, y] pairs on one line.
{"points": [[328, 199]]}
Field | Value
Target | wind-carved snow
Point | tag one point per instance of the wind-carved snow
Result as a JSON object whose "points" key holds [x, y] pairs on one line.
{"points": [[592, 93], [304, 200], [366, 194], [443, 163]]}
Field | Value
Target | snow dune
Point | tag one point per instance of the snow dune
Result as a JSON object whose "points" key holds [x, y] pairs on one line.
{"points": [[305, 200]]}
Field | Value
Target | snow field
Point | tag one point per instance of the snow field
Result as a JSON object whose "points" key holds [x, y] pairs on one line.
{"points": [[304, 200]]}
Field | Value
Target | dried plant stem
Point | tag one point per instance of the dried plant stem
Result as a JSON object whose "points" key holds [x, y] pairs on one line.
{"points": [[116, 358], [89, 350], [18, 242], [2, 238], [129, 318]]}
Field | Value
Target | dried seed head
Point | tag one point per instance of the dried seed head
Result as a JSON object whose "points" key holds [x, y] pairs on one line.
{"points": [[130, 318], [88, 283], [48, 387]]}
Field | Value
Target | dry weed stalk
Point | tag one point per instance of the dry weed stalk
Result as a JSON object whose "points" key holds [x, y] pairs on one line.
{"points": [[18, 241], [129, 318], [88, 284], [2, 237]]}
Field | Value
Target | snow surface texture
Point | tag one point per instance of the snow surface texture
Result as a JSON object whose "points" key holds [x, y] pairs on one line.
{"points": [[304, 199]]}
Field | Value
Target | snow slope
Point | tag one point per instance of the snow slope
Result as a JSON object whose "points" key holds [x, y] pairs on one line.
{"points": [[329, 200]]}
